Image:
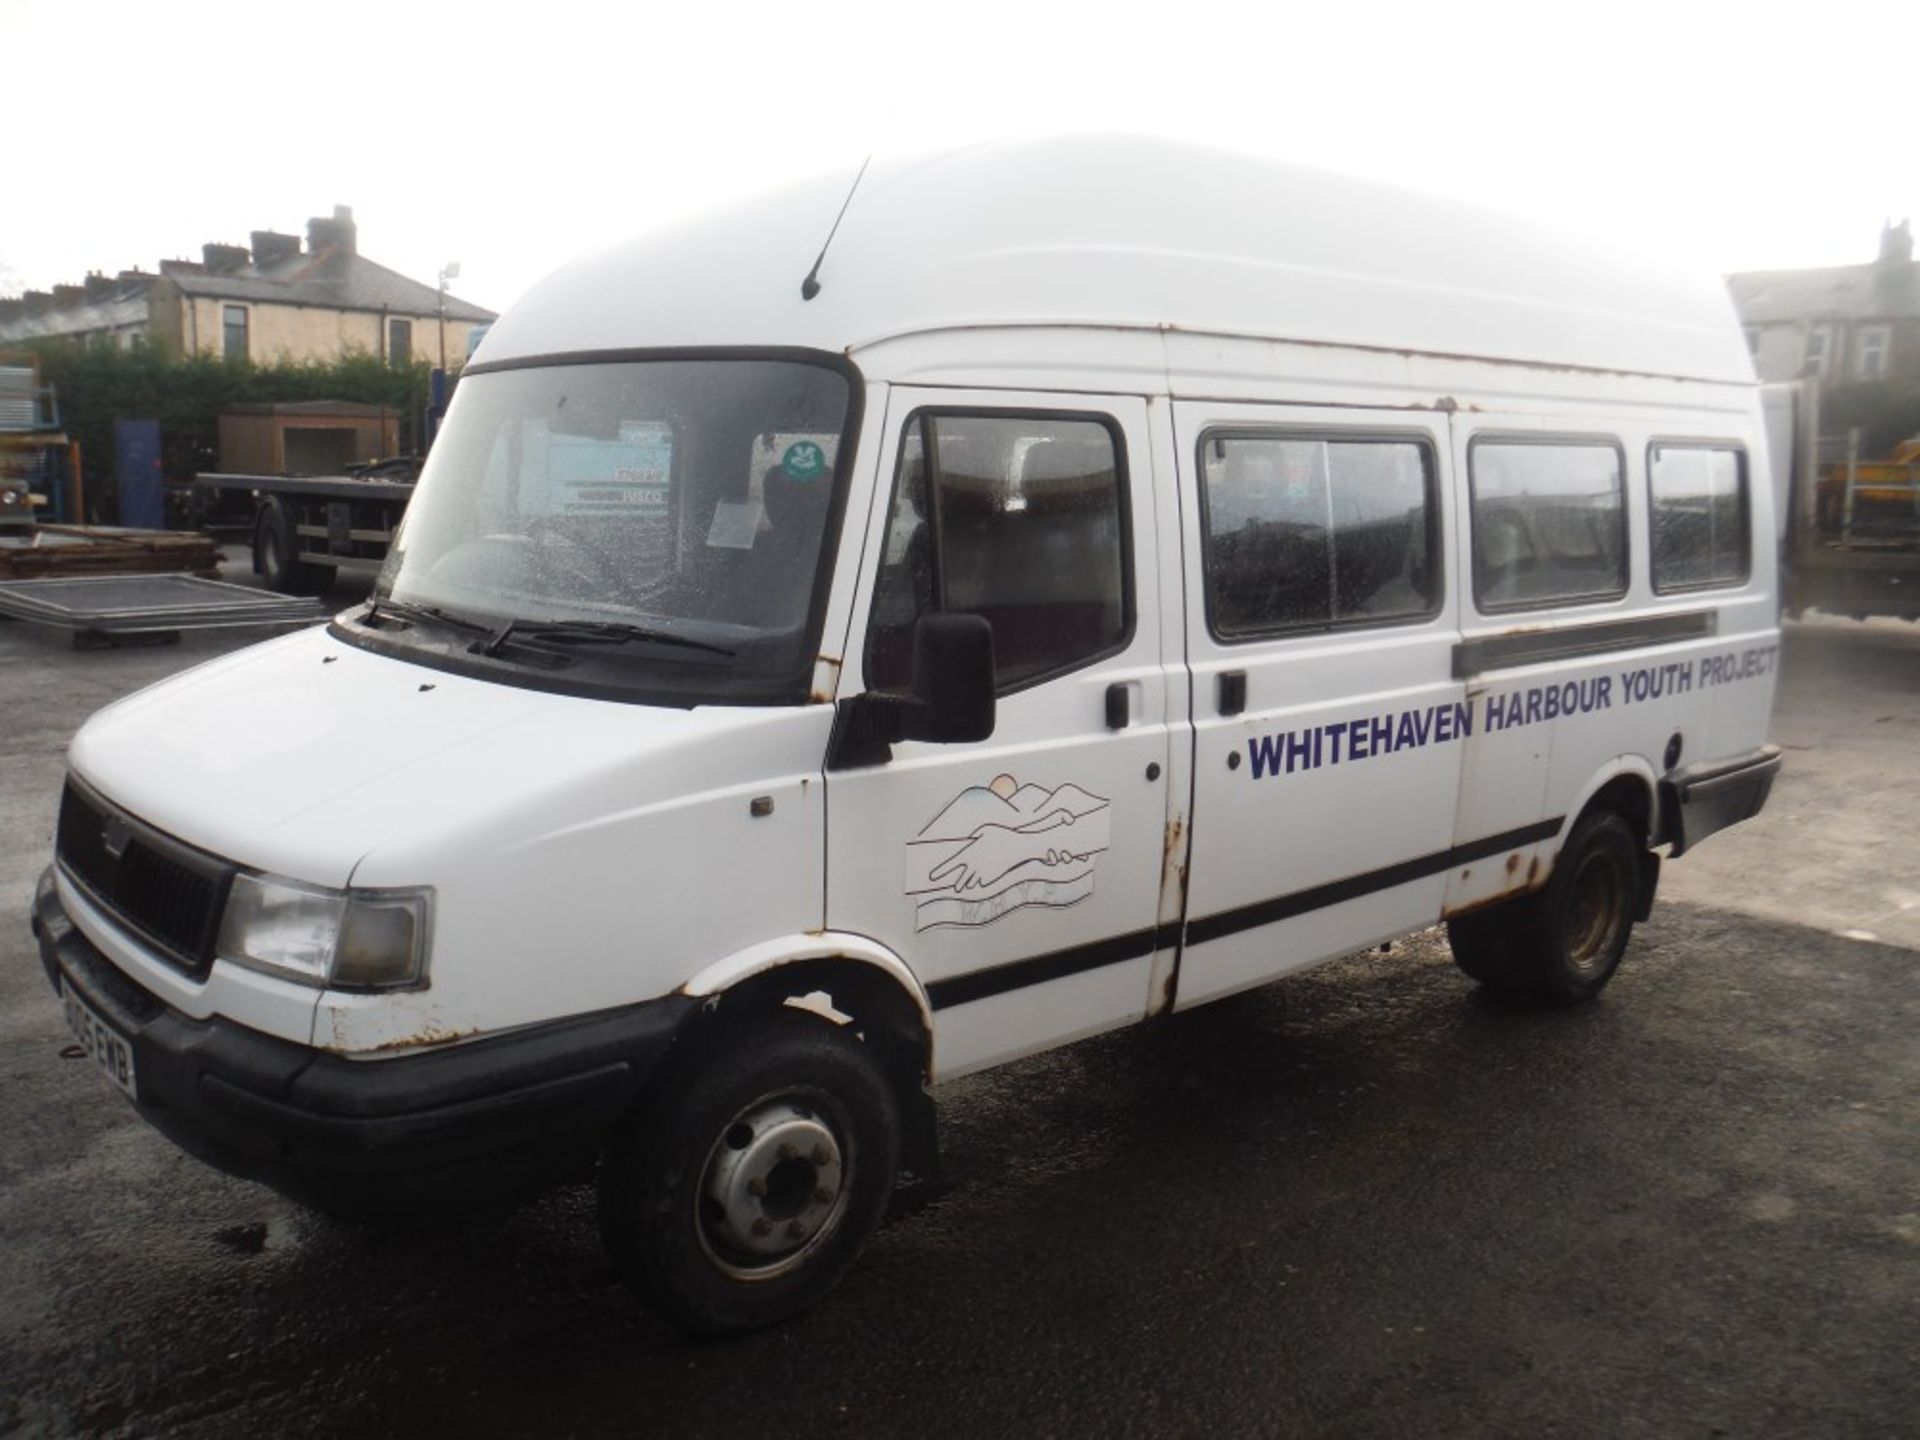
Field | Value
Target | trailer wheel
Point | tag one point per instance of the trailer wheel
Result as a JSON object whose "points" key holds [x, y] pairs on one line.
{"points": [[745, 1189], [274, 556], [1563, 942]]}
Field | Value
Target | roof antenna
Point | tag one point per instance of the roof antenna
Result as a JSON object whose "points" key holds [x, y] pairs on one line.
{"points": [[810, 286]]}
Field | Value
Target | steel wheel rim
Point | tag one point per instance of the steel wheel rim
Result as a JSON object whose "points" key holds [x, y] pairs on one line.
{"points": [[774, 1187], [1594, 905]]}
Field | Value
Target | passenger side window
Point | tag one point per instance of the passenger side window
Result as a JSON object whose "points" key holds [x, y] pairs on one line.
{"points": [[1018, 518], [1549, 523], [1700, 516], [1310, 532]]}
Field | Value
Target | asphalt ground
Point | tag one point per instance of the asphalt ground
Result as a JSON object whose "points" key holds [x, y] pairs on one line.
{"points": [[1362, 1201]]}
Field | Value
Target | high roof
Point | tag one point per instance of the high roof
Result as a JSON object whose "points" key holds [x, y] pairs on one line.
{"points": [[1132, 232]]}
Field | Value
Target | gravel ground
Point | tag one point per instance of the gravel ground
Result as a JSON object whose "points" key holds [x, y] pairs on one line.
{"points": [[1363, 1201]]}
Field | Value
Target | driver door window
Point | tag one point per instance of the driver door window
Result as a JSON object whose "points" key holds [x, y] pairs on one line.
{"points": [[1017, 518]]}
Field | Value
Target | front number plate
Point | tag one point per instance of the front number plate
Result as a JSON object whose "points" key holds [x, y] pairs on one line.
{"points": [[103, 1044]]}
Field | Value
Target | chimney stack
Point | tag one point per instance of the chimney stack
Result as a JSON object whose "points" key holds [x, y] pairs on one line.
{"points": [[334, 240], [1896, 243], [270, 247], [224, 259]]}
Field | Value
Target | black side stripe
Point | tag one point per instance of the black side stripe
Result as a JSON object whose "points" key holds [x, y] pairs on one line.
{"points": [[1285, 907], [1574, 642], [1058, 964], [1038, 969]]}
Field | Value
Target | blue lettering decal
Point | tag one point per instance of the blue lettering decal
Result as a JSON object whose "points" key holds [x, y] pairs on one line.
{"points": [[1263, 752]]}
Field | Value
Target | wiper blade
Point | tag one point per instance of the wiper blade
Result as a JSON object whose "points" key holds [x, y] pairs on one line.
{"points": [[380, 605], [590, 632]]}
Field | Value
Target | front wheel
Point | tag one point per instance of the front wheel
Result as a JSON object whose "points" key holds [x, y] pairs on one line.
{"points": [[742, 1193], [1563, 942]]}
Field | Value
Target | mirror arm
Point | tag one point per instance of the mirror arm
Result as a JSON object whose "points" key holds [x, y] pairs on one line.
{"points": [[866, 728]]}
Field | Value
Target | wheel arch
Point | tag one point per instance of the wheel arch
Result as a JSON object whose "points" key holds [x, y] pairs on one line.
{"points": [[1628, 787], [846, 980]]}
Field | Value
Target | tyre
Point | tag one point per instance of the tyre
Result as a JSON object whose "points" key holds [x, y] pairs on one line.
{"points": [[1563, 942], [745, 1189], [275, 558]]}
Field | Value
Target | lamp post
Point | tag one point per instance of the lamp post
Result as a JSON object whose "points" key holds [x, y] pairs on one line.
{"points": [[448, 271]]}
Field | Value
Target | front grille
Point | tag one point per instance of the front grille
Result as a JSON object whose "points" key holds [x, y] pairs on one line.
{"points": [[162, 889]]}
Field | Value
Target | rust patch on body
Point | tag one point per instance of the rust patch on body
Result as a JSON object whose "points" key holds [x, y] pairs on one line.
{"points": [[1516, 885], [824, 695], [421, 1039], [1454, 912]]}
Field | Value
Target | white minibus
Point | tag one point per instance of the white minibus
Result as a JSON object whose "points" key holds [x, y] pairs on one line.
{"points": [[1109, 575]]}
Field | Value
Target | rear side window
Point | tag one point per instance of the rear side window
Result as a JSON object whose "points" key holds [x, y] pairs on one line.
{"points": [[1699, 516], [1018, 518], [1549, 523], [1309, 532]]}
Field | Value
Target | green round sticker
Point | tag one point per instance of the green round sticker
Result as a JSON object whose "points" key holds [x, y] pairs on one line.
{"points": [[804, 460]]}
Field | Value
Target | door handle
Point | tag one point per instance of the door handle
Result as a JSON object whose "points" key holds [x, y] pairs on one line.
{"points": [[1233, 691], [1119, 706]]}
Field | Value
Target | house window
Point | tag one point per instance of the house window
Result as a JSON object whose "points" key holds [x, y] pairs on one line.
{"points": [[1870, 359], [1819, 343], [399, 343], [234, 325]]}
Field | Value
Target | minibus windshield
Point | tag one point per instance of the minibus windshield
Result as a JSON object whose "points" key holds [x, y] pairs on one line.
{"points": [[681, 507]]}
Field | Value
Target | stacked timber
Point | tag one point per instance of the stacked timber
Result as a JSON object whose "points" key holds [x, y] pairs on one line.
{"points": [[54, 550]]}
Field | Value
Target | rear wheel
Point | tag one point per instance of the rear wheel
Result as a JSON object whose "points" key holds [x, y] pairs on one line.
{"points": [[1563, 942], [742, 1193], [275, 556]]}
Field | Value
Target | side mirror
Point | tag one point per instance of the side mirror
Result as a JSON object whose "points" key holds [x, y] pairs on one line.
{"points": [[951, 699], [952, 680]]}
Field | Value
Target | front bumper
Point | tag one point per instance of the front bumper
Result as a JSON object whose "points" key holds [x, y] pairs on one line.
{"points": [[491, 1118]]}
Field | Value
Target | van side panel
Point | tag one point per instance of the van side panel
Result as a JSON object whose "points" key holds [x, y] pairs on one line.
{"points": [[1641, 684], [1326, 759]]}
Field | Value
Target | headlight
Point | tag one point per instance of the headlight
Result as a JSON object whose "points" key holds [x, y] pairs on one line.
{"points": [[351, 939]]}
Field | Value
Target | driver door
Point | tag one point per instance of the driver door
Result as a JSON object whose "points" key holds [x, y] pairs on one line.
{"points": [[1019, 876]]}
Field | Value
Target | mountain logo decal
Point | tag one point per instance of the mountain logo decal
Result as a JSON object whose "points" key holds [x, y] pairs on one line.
{"points": [[1000, 847]]}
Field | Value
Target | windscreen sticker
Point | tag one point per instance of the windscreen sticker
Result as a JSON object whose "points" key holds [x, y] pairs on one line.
{"points": [[999, 847], [804, 460], [735, 524]]}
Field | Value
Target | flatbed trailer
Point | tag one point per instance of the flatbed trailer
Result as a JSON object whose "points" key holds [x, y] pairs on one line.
{"points": [[308, 528]]}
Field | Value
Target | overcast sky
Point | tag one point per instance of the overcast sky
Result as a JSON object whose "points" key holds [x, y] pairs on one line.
{"points": [[1735, 136]]}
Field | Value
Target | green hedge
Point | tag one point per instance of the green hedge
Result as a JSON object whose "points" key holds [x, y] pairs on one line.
{"points": [[98, 385]]}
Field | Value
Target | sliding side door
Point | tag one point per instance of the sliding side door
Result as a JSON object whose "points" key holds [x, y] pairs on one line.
{"points": [[1321, 624]]}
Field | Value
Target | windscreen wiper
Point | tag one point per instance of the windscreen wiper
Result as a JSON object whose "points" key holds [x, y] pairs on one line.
{"points": [[590, 632], [380, 605]]}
